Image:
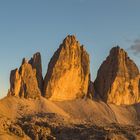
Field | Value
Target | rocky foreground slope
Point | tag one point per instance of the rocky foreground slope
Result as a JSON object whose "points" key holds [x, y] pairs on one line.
{"points": [[81, 119], [66, 104]]}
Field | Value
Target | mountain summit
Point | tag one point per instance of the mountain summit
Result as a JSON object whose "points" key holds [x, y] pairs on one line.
{"points": [[68, 72], [118, 79], [27, 81]]}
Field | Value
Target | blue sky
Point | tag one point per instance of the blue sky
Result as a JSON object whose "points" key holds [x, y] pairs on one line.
{"points": [[28, 26]]}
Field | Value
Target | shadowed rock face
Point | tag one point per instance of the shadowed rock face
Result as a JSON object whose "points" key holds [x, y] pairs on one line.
{"points": [[37, 65], [26, 82], [67, 77], [118, 79]]}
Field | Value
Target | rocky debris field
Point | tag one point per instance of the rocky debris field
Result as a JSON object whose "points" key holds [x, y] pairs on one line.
{"points": [[50, 126]]}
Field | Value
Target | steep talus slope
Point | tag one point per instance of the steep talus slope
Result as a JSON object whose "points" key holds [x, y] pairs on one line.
{"points": [[126, 114], [14, 107], [92, 118], [77, 110]]}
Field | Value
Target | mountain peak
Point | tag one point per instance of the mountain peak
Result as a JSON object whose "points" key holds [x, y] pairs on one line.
{"points": [[70, 42], [67, 77], [70, 39], [117, 79], [26, 82]]}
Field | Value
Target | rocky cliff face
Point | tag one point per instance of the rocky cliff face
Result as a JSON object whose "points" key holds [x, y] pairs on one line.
{"points": [[37, 65], [27, 81], [15, 83], [118, 79], [67, 77]]}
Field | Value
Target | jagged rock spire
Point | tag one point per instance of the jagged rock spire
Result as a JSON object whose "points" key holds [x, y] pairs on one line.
{"points": [[36, 63], [118, 78], [68, 72], [26, 82]]}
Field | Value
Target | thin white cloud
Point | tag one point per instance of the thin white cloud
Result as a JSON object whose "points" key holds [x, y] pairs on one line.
{"points": [[135, 47]]}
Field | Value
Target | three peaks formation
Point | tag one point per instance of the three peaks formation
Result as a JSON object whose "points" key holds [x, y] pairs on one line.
{"points": [[68, 76]]}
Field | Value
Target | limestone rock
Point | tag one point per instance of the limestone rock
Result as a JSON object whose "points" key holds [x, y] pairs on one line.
{"points": [[29, 85], [37, 65], [24, 82], [15, 82], [67, 77], [118, 79]]}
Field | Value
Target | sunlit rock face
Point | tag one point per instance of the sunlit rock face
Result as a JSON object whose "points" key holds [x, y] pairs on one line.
{"points": [[118, 79], [24, 82], [67, 77], [15, 82]]}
